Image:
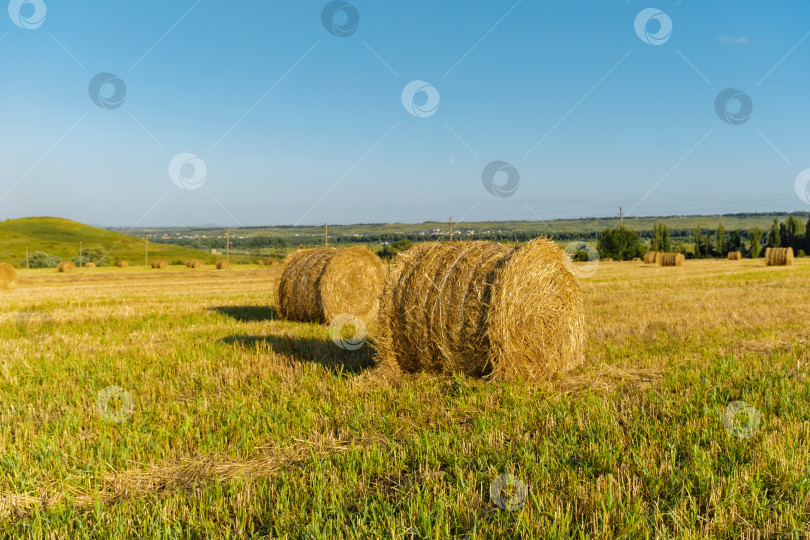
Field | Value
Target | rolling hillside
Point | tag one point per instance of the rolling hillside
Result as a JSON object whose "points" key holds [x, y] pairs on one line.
{"points": [[61, 237]]}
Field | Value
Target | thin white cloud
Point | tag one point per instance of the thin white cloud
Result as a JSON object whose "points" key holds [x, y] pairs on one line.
{"points": [[739, 40]]}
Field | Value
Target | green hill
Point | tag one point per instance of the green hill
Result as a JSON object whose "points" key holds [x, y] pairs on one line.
{"points": [[61, 237]]}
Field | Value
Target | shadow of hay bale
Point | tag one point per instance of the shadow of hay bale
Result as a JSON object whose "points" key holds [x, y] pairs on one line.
{"points": [[248, 313], [318, 351]]}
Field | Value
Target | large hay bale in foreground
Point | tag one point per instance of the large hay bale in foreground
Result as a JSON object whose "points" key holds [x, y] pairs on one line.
{"points": [[483, 309], [223, 265], [8, 277], [734, 256], [672, 259], [66, 266], [122, 264], [89, 264], [779, 257], [160, 265], [319, 284]]}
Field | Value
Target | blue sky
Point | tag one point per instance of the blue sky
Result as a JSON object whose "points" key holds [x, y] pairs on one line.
{"points": [[297, 125]]}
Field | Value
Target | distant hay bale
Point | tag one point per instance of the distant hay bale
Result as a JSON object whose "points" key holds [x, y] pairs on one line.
{"points": [[8, 277], [317, 285], [636, 259], [607, 259], [734, 256], [195, 263], [267, 262], [672, 259], [89, 264], [483, 309], [122, 264], [779, 257], [160, 265], [66, 266], [223, 265]]}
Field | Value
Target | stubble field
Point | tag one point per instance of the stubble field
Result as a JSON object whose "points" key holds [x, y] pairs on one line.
{"points": [[243, 425]]}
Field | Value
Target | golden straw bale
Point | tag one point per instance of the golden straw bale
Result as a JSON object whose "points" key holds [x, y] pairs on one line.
{"points": [[483, 309], [651, 257], [672, 259], [66, 266], [316, 285], [636, 259], [160, 265], [734, 256], [196, 263], [89, 264], [779, 257], [122, 264], [8, 277], [223, 264]]}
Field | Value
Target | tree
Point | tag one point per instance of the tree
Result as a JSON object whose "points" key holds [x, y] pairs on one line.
{"points": [[389, 251], [620, 244], [720, 240], [698, 243], [660, 239], [97, 255], [756, 242], [734, 241], [40, 259], [773, 236], [794, 233], [807, 236]]}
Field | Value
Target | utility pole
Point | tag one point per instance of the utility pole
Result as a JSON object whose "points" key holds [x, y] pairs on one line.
{"points": [[621, 218], [27, 266], [326, 235], [451, 229], [81, 261], [227, 244], [146, 253]]}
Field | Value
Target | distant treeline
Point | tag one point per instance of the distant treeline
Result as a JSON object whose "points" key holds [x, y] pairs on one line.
{"points": [[624, 244], [285, 242], [619, 243]]}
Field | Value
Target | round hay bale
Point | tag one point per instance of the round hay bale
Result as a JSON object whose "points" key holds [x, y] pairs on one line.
{"points": [[483, 309], [672, 259], [268, 262], [650, 257], [160, 265], [66, 266], [122, 264], [779, 256], [196, 263], [223, 265], [636, 259], [89, 264], [8, 277], [607, 259], [317, 285], [734, 256]]}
